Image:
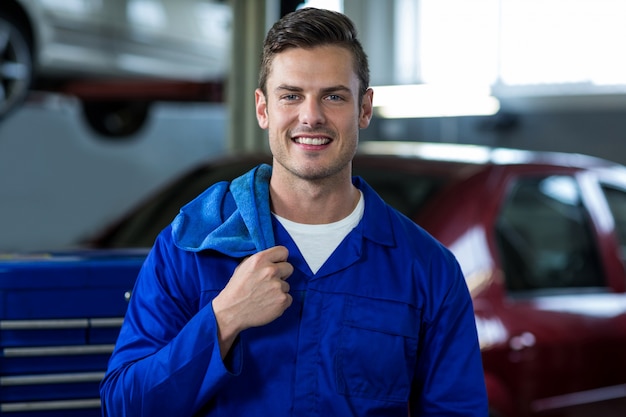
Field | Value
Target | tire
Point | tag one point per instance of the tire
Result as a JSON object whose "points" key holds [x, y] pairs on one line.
{"points": [[116, 120], [16, 64]]}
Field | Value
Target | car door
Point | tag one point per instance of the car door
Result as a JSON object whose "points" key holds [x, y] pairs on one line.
{"points": [[562, 316]]}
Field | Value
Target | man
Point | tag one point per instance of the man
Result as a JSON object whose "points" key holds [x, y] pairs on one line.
{"points": [[295, 290]]}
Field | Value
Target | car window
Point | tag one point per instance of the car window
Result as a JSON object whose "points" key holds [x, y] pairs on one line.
{"points": [[617, 204], [407, 193], [544, 237]]}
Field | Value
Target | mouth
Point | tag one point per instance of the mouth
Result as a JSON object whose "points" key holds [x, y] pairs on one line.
{"points": [[311, 140]]}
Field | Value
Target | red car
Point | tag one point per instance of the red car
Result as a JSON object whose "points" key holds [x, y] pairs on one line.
{"points": [[541, 238]]}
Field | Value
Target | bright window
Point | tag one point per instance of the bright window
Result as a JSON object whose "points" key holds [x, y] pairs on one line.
{"points": [[522, 42]]}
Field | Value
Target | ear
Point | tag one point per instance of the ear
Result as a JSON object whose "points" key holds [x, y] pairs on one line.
{"points": [[261, 108], [366, 109]]}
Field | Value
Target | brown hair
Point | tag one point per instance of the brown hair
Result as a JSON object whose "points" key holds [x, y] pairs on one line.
{"points": [[308, 28]]}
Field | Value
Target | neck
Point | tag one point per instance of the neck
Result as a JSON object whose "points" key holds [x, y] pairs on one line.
{"points": [[309, 202]]}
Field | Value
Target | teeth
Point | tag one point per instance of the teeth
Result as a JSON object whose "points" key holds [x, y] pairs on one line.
{"points": [[312, 141]]}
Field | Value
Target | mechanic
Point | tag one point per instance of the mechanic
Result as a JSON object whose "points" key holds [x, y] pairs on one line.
{"points": [[294, 290]]}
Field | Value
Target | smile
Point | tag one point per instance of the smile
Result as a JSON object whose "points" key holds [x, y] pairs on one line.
{"points": [[311, 141]]}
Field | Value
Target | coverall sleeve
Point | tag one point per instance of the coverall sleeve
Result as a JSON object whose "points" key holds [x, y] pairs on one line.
{"points": [[167, 360], [450, 380]]}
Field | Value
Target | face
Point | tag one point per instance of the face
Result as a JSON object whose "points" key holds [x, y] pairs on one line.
{"points": [[312, 112]]}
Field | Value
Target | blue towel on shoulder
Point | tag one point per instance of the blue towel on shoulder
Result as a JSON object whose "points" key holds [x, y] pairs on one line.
{"points": [[233, 218]]}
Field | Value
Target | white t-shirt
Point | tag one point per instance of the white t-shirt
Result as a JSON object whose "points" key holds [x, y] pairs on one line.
{"points": [[318, 241]]}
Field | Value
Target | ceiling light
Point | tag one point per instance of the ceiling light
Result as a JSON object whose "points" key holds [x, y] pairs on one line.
{"points": [[429, 100]]}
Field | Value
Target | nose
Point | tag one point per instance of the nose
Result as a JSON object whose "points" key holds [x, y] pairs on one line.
{"points": [[312, 112]]}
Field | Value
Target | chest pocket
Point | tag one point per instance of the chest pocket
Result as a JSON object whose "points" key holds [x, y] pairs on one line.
{"points": [[377, 350]]}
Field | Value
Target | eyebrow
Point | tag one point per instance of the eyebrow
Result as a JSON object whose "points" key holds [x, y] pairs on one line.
{"points": [[326, 90]]}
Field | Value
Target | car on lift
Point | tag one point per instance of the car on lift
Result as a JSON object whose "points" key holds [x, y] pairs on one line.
{"points": [[541, 239], [116, 56]]}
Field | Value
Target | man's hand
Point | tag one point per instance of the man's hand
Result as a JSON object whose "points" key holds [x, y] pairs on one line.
{"points": [[256, 294]]}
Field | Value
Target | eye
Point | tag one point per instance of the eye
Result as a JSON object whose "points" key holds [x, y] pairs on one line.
{"points": [[290, 97], [334, 97]]}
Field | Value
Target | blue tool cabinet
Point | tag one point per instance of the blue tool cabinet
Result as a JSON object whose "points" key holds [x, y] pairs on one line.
{"points": [[60, 315]]}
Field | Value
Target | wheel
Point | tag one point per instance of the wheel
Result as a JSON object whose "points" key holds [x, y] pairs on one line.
{"points": [[16, 64], [116, 120]]}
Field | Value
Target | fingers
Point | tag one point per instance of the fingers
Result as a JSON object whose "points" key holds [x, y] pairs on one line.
{"points": [[272, 261], [276, 253]]}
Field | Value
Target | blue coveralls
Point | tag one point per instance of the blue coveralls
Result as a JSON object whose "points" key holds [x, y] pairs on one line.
{"points": [[385, 327]]}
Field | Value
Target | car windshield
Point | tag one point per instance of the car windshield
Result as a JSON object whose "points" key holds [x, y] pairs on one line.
{"points": [[406, 192]]}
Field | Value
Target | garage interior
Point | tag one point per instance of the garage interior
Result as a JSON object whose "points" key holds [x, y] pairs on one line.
{"points": [[61, 181]]}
